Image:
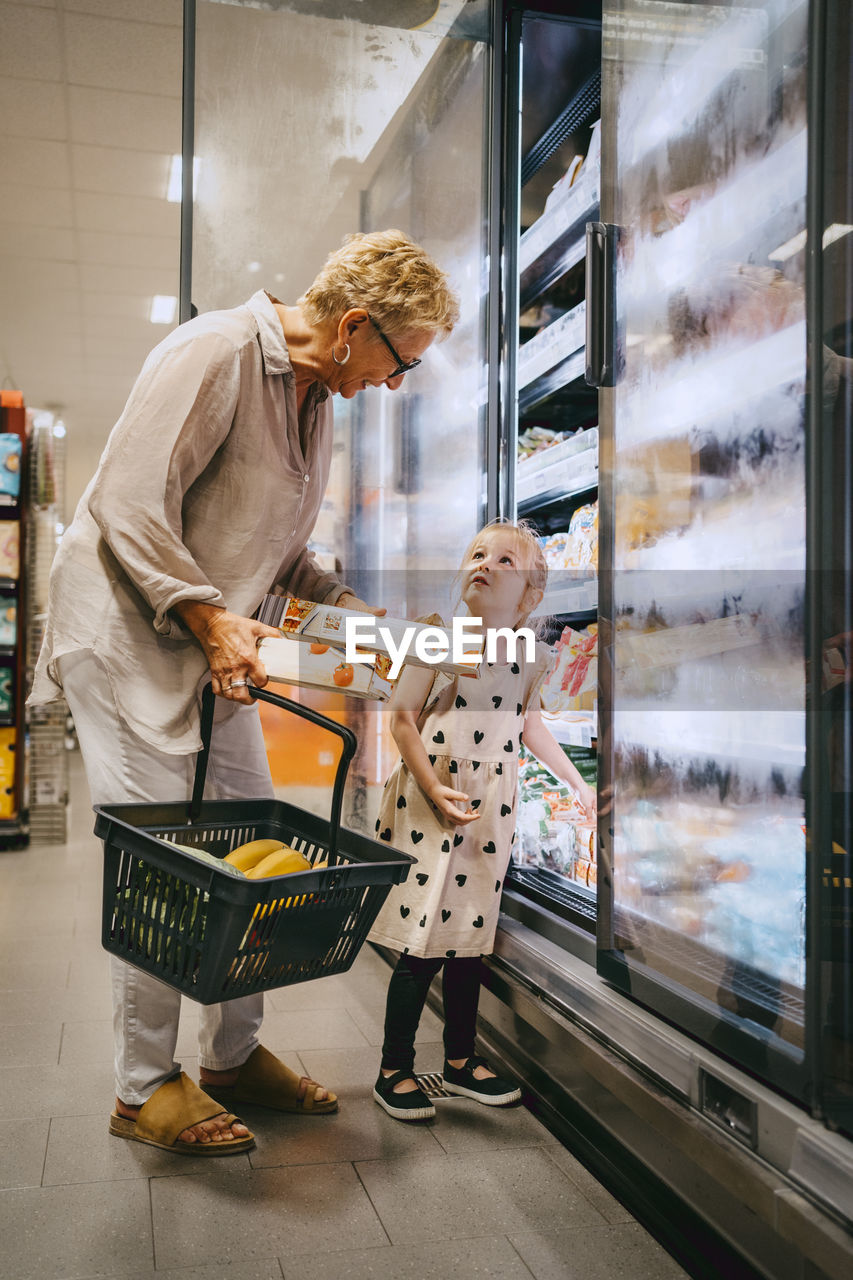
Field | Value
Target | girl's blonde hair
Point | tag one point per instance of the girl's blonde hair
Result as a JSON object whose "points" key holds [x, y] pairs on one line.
{"points": [[394, 279], [531, 555]]}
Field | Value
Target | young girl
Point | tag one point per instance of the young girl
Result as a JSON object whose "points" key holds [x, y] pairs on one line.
{"points": [[451, 802]]}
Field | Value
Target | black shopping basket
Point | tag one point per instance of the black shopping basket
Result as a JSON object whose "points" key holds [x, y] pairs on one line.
{"points": [[216, 936]]}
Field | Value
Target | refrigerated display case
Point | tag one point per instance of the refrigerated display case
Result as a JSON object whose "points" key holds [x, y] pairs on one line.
{"points": [[652, 367]]}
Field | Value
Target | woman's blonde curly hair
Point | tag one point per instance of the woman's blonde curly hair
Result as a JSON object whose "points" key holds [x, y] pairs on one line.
{"points": [[394, 279]]}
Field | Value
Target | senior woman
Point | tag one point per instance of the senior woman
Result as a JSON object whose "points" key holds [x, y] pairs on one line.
{"points": [[203, 501]]}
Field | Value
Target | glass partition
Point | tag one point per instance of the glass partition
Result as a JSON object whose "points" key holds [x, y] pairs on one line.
{"points": [[703, 485]]}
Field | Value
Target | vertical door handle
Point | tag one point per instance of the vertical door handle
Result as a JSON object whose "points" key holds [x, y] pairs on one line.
{"points": [[601, 240]]}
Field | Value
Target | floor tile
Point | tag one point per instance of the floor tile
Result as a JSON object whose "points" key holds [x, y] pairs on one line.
{"points": [[464, 1125], [30, 1044], [56, 1091], [360, 1130], [22, 1147], [81, 1149], [488, 1192], [58, 1004], [311, 1029], [223, 1218], [492, 1257], [624, 1252], [352, 1072], [263, 1269], [34, 975], [61, 1233], [606, 1204]]}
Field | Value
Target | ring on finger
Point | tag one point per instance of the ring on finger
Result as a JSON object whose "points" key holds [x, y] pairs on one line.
{"points": [[238, 684]]}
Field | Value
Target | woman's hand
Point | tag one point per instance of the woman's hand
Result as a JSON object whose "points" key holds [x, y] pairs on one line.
{"points": [[445, 800], [349, 601], [230, 643], [587, 797]]}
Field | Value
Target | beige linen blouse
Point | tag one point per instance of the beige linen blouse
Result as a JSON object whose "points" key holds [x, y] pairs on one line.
{"points": [[204, 492]]}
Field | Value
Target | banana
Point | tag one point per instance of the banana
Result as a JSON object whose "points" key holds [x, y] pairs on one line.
{"points": [[282, 862], [246, 856]]}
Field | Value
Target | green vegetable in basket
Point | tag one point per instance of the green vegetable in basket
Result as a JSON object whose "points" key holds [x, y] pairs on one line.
{"points": [[160, 899]]}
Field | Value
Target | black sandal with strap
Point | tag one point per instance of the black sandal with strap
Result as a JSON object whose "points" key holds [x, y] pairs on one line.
{"points": [[414, 1105], [494, 1091]]}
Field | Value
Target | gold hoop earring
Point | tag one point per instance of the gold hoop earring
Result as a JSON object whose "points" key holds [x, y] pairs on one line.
{"points": [[346, 357]]}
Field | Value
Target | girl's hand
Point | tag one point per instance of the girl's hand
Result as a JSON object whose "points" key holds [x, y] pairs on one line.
{"points": [[587, 797], [445, 798]]}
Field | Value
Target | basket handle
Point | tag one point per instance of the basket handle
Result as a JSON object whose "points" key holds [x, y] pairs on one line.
{"points": [[348, 743]]}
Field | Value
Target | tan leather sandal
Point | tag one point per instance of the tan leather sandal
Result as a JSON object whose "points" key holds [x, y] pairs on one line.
{"points": [[177, 1105], [264, 1081]]}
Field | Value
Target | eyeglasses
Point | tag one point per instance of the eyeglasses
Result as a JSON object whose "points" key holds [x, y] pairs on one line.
{"points": [[403, 366]]}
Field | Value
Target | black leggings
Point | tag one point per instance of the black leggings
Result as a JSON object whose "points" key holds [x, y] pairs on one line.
{"points": [[407, 993]]}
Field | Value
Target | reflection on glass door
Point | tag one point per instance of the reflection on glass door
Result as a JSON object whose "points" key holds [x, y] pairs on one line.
{"points": [[314, 119], [705, 180]]}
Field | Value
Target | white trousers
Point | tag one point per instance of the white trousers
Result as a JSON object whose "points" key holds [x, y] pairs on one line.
{"points": [[122, 768]]}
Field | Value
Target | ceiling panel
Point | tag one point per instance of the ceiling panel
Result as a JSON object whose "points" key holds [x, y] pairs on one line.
{"points": [[35, 161], [128, 279], [140, 57], [114, 169], [141, 121], [30, 45], [168, 11], [33, 108], [20, 240], [37, 206], [142, 251], [101, 212]]}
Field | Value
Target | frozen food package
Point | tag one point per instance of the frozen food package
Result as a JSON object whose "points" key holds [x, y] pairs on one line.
{"points": [[582, 549], [572, 683], [9, 549], [10, 466], [8, 621]]}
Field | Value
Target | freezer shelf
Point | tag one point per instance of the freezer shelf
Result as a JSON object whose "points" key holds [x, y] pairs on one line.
{"points": [[556, 241], [578, 597], [572, 470]]}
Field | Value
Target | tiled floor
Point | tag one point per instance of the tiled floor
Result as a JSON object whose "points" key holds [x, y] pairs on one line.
{"points": [[474, 1193]]}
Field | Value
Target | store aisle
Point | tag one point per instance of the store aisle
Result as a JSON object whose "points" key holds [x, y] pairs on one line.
{"points": [[474, 1193]]}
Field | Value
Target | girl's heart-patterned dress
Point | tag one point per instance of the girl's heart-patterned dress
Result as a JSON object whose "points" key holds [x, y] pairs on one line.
{"points": [[471, 729]]}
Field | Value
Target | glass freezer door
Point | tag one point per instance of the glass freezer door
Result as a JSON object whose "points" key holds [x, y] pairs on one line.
{"points": [[702, 476]]}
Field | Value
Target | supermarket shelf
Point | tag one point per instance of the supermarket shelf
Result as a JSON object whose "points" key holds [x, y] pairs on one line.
{"points": [[8, 650], [557, 240], [565, 469], [579, 730], [570, 371], [552, 346], [575, 597], [8, 584]]}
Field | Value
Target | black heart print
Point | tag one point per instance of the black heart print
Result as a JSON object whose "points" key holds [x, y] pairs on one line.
{"points": [[405, 951], [497, 700], [460, 701], [404, 911], [445, 915], [450, 953], [515, 669], [497, 885], [505, 809], [457, 840], [417, 836], [475, 804], [438, 737], [376, 828], [490, 847], [445, 846], [422, 921], [478, 736], [432, 759], [460, 880], [452, 766], [508, 745], [478, 923], [401, 802], [518, 708], [422, 877], [475, 764], [386, 834], [499, 768]]}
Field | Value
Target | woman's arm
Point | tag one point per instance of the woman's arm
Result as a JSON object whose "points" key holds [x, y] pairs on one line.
{"points": [[230, 645], [537, 737], [407, 703]]}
